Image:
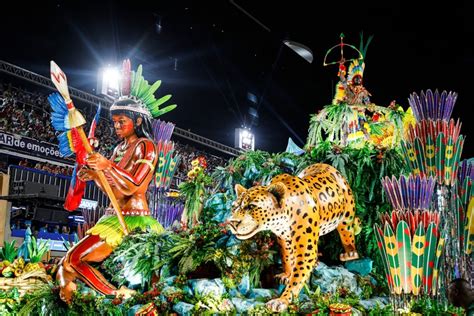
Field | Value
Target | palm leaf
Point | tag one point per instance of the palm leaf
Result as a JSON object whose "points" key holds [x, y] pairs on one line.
{"points": [[420, 155], [439, 157], [449, 160], [429, 257], [430, 157], [417, 251], [404, 255], [383, 253], [469, 229], [392, 255], [8, 251], [439, 251]]}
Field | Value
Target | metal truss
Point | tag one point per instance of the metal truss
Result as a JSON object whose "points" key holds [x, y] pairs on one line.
{"points": [[95, 100]]}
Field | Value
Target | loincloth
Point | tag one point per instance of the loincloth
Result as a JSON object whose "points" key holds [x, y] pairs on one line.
{"points": [[109, 229]]}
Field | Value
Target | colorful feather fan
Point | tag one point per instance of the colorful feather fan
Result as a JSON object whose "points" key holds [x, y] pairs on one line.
{"points": [[433, 106], [162, 130], [69, 140], [166, 166], [411, 253], [167, 159], [412, 193], [433, 148]]}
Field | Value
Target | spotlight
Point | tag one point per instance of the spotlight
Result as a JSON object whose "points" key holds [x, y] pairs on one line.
{"points": [[108, 82], [158, 25], [244, 139]]}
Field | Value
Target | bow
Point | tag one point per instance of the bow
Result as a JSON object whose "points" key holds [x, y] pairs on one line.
{"points": [[342, 60]]}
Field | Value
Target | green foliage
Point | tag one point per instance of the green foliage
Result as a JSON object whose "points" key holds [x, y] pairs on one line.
{"points": [[430, 307], [44, 301], [211, 305], [137, 255], [83, 304], [381, 311], [331, 123], [107, 308], [35, 251], [363, 166], [188, 249], [8, 251], [10, 302], [256, 168], [194, 191]]}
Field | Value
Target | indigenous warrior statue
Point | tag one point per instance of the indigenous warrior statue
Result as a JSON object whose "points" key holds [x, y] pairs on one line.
{"points": [[358, 98], [355, 92], [350, 91], [128, 173]]}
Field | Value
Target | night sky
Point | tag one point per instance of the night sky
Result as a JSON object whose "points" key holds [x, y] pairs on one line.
{"points": [[211, 54]]}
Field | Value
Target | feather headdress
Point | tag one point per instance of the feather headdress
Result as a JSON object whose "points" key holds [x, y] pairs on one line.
{"points": [[137, 95], [356, 69]]}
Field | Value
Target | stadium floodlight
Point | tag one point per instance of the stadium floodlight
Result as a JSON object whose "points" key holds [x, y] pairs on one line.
{"points": [[244, 139], [300, 49], [108, 82]]}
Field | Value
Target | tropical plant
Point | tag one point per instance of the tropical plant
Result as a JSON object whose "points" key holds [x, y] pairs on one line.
{"points": [[10, 302], [132, 262], [188, 249], [8, 251], [37, 250], [43, 301], [194, 191]]}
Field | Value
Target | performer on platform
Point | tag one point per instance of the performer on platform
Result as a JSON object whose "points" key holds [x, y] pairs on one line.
{"points": [[128, 171]]}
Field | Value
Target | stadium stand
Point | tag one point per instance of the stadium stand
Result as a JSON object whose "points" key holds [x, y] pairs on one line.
{"points": [[39, 177]]}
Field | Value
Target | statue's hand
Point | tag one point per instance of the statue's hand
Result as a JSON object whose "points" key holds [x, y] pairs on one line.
{"points": [[98, 162], [85, 174]]}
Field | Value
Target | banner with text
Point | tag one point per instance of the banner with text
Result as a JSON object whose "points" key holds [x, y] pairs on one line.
{"points": [[29, 146]]}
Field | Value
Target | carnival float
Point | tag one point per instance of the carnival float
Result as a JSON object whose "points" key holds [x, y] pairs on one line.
{"points": [[374, 216]]}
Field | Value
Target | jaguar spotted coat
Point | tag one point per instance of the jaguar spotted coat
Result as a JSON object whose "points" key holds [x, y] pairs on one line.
{"points": [[298, 210]]}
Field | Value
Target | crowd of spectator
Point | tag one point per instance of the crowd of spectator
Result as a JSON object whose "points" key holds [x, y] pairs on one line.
{"points": [[28, 114], [45, 166], [40, 227], [188, 153], [24, 114]]}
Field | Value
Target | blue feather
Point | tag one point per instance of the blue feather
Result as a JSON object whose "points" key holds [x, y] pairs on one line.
{"points": [[59, 117], [74, 176], [64, 145]]}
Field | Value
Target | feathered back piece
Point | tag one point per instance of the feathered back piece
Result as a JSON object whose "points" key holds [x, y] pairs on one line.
{"points": [[137, 94], [433, 106], [356, 69]]}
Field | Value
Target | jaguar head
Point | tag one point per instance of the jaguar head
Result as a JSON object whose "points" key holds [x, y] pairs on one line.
{"points": [[255, 208]]}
